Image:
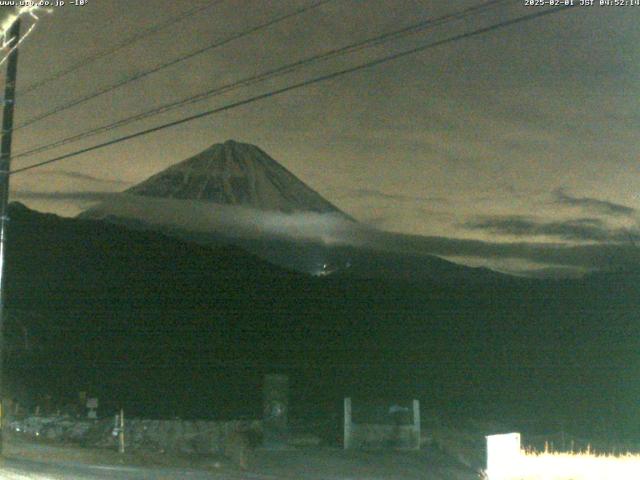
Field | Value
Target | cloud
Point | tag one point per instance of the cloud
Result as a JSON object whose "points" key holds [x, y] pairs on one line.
{"points": [[580, 229], [330, 229], [585, 256], [206, 217], [593, 204], [380, 195], [394, 211], [80, 176], [83, 196]]}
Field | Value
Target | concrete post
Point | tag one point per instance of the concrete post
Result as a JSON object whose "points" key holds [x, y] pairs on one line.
{"points": [[347, 424], [416, 423], [121, 432], [276, 410]]}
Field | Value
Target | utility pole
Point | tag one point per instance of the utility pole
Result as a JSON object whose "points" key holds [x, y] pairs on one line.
{"points": [[5, 167]]}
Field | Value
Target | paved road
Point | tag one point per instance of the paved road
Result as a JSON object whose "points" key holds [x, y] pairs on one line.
{"points": [[13, 469], [30, 470], [320, 464]]}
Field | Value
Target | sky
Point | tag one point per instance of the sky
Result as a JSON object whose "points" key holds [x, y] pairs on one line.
{"points": [[515, 150]]}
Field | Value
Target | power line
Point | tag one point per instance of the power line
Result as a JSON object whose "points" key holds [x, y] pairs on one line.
{"points": [[175, 61], [369, 42], [116, 48], [305, 83]]}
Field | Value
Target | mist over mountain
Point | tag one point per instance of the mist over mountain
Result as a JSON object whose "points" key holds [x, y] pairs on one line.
{"points": [[234, 193]]}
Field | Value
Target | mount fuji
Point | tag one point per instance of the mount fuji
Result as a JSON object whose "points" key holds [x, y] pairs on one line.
{"points": [[236, 174], [235, 193]]}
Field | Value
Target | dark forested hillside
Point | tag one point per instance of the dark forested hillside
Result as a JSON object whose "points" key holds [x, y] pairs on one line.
{"points": [[165, 327]]}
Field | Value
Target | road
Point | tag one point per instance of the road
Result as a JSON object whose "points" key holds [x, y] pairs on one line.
{"points": [[30, 470], [14, 469], [47, 463]]}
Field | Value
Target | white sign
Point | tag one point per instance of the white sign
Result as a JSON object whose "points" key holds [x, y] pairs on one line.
{"points": [[503, 455]]}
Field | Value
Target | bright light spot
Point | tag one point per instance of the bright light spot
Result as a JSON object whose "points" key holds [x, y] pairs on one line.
{"points": [[505, 463]]}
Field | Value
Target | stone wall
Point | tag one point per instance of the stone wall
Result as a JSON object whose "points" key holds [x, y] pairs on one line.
{"points": [[202, 437]]}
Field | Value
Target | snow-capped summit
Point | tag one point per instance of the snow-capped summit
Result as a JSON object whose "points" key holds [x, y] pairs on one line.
{"points": [[236, 174]]}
